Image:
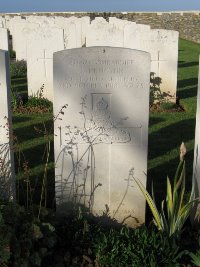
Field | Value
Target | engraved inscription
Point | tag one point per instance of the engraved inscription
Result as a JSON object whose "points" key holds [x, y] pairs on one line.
{"points": [[99, 127]]}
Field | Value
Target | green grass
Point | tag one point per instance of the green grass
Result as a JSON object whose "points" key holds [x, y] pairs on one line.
{"points": [[166, 130]]}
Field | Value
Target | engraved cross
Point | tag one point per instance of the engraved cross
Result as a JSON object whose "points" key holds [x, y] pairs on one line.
{"points": [[45, 58]]}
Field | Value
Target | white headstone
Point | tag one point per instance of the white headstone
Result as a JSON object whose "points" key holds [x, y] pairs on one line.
{"points": [[22, 32], [101, 33], [2, 22], [119, 23], [72, 31], [12, 23], [163, 47], [7, 174], [196, 164], [43, 21], [40, 48], [3, 39], [101, 139]]}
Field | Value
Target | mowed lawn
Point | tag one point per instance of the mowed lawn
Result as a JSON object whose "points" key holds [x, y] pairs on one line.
{"points": [[166, 132]]}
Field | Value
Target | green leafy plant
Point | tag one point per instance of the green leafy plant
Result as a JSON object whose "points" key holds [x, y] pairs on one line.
{"points": [[18, 68], [24, 240], [178, 209], [136, 247], [5, 237], [195, 256]]}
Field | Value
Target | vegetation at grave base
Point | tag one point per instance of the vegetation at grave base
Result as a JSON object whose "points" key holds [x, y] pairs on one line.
{"points": [[31, 104], [136, 247], [18, 68], [30, 235]]}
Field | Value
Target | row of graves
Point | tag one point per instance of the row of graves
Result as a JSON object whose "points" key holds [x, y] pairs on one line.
{"points": [[36, 38], [101, 71]]}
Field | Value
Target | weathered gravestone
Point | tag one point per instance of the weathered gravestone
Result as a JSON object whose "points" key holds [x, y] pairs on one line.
{"points": [[101, 138], [2, 22], [3, 39], [11, 27], [43, 21], [196, 165], [22, 31], [120, 23], [101, 33], [74, 30], [41, 45], [7, 174], [163, 47]]}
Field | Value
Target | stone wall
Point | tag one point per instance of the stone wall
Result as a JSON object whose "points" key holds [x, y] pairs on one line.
{"points": [[187, 23]]}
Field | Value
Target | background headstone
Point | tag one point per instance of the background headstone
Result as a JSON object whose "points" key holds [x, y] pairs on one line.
{"points": [[22, 32], [40, 48], [163, 47], [101, 138], [7, 173], [3, 39], [101, 33]]}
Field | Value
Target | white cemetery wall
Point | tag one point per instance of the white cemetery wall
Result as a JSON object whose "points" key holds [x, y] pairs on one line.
{"points": [[195, 216], [7, 174], [163, 47], [101, 33], [40, 48], [3, 39], [101, 139]]}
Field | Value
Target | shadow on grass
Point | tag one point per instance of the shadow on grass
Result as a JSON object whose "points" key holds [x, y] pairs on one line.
{"points": [[187, 82], [182, 64], [36, 186], [18, 118], [18, 80], [27, 132], [153, 120], [187, 92], [166, 139], [21, 88], [34, 156]]}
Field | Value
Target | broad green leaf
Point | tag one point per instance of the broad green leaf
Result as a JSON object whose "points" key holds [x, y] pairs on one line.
{"points": [[151, 204]]}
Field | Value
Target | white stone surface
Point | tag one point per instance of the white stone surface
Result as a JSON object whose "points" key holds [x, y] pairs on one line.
{"points": [[12, 23], [163, 47], [101, 33], [195, 216], [40, 48], [3, 39], [120, 24], [22, 31], [72, 31], [2, 22], [43, 21], [101, 138], [7, 173]]}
